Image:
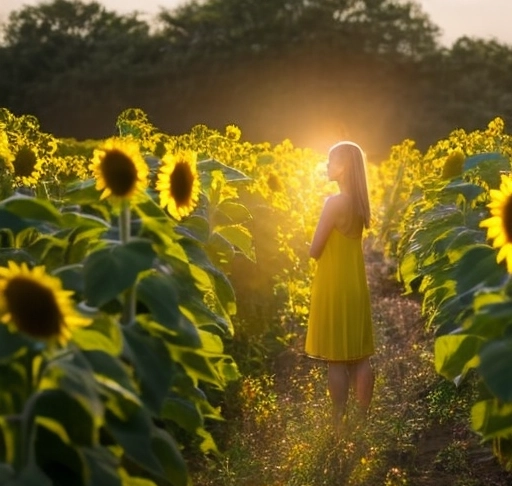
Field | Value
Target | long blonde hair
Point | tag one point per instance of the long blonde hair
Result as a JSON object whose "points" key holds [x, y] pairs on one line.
{"points": [[352, 157]]}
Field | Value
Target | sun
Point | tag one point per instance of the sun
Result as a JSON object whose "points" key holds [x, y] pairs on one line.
{"points": [[34, 303], [178, 183], [499, 225], [119, 168]]}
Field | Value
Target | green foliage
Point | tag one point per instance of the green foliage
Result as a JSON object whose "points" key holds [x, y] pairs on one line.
{"points": [[106, 407], [75, 63], [442, 253], [171, 301]]}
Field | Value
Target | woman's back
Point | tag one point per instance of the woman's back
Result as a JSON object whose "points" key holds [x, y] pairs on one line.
{"points": [[348, 222]]}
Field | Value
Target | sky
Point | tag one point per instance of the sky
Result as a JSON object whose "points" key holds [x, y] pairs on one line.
{"points": [[486, 19]]}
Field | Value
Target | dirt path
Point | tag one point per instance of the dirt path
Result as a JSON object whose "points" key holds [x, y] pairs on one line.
{"points": [[419, 434], [443, 451], [278, 430]]}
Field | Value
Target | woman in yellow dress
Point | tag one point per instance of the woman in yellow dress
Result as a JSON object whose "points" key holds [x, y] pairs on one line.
{"points": [[340, 325]]}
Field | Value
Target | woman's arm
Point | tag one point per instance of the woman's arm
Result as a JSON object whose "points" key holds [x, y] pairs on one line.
{"points": [[324, 227]]}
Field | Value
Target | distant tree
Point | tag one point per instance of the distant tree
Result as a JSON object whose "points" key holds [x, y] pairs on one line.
{"points": [[465, 87], [44, 42], [228, 27], [366, 69]]}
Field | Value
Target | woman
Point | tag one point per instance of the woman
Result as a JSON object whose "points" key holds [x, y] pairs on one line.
{"points": [[340, 327]]}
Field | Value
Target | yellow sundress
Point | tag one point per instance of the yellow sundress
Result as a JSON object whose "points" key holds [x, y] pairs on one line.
{"points": [[340, 323]]}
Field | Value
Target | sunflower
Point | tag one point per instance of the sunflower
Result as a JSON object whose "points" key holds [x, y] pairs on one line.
{"points": [[453, 165], [178, 183], [34, 303], [233, 133], [27, 166], [499, 225], [119, 168], [274, 182], [6, 157]]}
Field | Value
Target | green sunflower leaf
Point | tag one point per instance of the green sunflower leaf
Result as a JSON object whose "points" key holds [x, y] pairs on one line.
{"points": [[32, 209], [102, 466], [195, 227], [468, 190], [205, 167], [152, 363], [82, 192], [240, 237], [489, 165], [220, 249], [198, 366], [229, 212], [134, 435], [11, 343], [31, 475], [7, 473], [492, 418], [12, 222], [183, 412], [78, 220], [160, 296], [60, 461], [476, 267], [169, 455], [455, 354], [73, 415], [110, 271], [75, 377], [495, 366], [104, 334]]}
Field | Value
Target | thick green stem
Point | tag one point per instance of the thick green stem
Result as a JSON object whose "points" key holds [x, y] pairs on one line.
{"points": [[129, 295]]}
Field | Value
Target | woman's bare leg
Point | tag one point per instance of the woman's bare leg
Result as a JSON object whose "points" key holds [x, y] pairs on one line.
{"points": [[338, 383], [363, 379]]}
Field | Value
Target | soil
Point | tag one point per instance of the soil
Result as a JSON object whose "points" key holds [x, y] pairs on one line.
{"points": [[447, 452]]}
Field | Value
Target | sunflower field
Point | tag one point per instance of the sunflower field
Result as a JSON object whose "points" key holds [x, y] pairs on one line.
{"points": [[434, 212], [141, 276], [119, 261]]}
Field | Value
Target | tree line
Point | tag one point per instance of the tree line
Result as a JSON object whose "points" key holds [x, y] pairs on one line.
{"points": [[313, 71]]}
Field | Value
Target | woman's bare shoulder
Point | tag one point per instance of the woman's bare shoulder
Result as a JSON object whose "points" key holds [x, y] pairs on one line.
{"points": [[340, 202]]}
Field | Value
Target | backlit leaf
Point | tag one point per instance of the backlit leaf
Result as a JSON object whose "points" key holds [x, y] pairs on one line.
{"points": [[495, 366], [110, 271]]}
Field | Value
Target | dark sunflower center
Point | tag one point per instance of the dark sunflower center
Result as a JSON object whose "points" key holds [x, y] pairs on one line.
{"points": [[119, 172], [453, 165], [182, 183], [33, 308], [507, 218], [24, 162], [274, 184]]}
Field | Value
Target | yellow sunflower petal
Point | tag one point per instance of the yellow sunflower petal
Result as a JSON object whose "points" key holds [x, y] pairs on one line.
{"points": [[506, 184], [499, 240], [503, 252], [178, 183], [50, 317], [497, 195], [119, 168], [498, 226], [493, 221], [494, 231]]}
